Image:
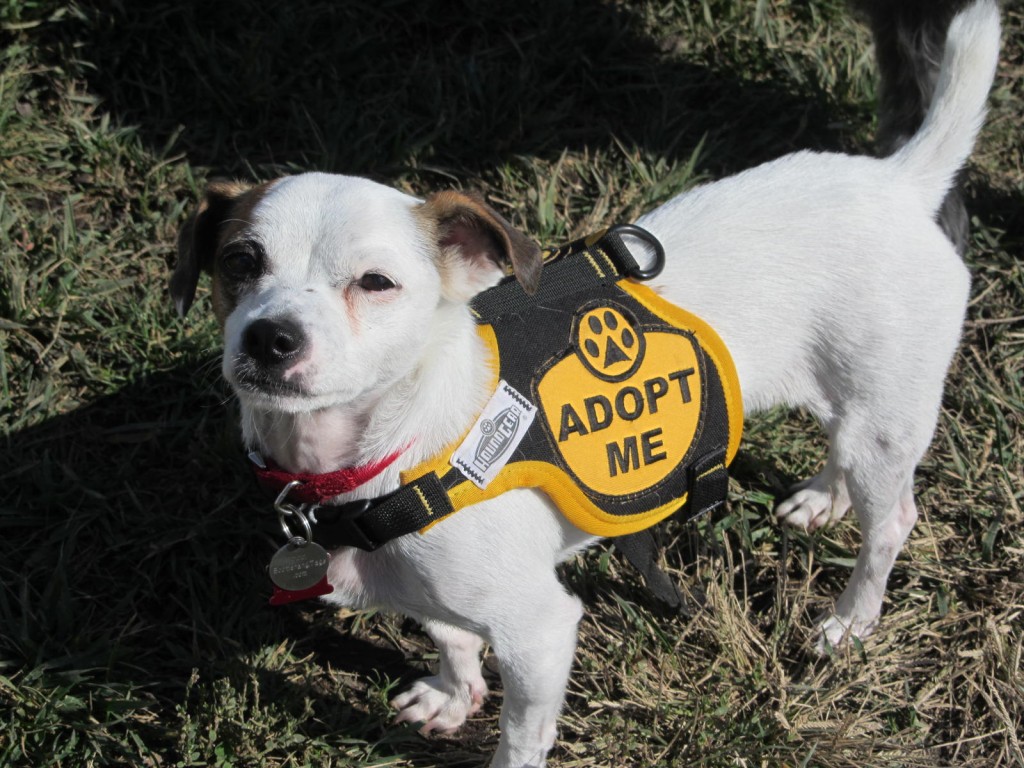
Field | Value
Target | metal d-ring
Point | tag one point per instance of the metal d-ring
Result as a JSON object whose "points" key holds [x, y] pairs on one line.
{"points": [[642, 234]]}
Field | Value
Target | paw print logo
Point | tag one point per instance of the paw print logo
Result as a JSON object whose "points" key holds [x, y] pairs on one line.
{"points": [[610, 342]]}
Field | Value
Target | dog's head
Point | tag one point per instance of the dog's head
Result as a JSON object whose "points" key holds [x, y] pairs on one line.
{"points": [[325, 286]]}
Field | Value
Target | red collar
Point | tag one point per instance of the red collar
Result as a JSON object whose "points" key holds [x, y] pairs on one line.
{"points": [[314, 488]]}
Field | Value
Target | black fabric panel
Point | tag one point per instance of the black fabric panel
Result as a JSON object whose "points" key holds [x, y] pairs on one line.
{"points": [[540, 334]]}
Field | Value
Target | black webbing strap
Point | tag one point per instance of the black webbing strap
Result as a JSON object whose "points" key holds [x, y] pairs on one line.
{"points": [[641, 550], [369, 523], [709, 486]]}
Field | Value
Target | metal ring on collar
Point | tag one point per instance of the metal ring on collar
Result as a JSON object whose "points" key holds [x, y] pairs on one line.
{"points": [[642, 234], [283, 513], [286, 510]]}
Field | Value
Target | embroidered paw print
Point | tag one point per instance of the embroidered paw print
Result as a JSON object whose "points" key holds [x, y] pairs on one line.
{"points": [[609, 343]]}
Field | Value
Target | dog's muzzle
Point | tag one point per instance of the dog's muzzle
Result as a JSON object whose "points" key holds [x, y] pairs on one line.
{"points": [[267, 354]]}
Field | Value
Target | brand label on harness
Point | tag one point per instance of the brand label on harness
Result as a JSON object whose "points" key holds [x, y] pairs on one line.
{"points": [[493, 439], [624, 405]]}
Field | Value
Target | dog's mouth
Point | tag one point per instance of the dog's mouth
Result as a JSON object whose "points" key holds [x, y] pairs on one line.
{"points": [[268, 391], [248, 378]]}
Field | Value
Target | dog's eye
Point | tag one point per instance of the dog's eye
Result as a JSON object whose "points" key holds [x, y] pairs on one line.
{"points": [[374, 281], [241, 262]]}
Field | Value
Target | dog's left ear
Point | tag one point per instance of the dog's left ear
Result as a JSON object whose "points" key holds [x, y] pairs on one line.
{"points": [[477, 245], [197, 240]]}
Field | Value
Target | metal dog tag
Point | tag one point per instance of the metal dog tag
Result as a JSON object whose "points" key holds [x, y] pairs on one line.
{"points": [[298, 565]]}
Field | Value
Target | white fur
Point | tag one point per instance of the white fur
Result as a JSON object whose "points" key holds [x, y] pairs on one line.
{"points": [[825, 275]]}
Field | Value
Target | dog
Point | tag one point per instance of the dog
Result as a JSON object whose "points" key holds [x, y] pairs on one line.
{"points": [[349, 342]]}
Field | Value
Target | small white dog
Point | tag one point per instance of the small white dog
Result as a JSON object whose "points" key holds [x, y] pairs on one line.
{"points": [[349, 343]]}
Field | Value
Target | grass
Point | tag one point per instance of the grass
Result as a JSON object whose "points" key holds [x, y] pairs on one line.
{"points": [[133, 623]]}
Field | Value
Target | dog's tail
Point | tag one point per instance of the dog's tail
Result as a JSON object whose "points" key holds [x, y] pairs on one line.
{"points": [[934, 155], [909, 38]]}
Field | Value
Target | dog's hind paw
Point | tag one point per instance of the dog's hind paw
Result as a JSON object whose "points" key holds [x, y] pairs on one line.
{"points": [[813, 505], [440, 707], [836, 632]]}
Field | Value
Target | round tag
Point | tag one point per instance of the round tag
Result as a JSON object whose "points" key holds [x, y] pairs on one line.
{"points": [[298, 566]]}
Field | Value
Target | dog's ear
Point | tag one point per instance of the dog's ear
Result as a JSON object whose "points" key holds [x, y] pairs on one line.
{"points": [[197, 240], [477, 245]]}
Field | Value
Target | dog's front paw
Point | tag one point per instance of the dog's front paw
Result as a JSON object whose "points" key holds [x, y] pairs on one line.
{"points": [[835, 632], [813, 505], [438, 706]]}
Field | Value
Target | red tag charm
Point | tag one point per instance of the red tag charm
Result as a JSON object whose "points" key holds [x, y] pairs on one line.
{"points": [[285, 596]]}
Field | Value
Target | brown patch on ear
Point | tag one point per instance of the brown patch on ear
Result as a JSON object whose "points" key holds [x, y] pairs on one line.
{"points": [[481, 237], [197, 240]]}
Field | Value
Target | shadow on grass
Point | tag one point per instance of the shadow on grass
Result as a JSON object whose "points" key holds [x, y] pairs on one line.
{"points": [[377, 88], [132, 546]]}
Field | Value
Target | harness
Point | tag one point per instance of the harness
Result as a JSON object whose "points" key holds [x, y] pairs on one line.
{"points": [[621, 407]]}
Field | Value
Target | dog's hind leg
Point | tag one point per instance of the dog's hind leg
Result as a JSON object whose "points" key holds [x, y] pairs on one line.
{"points": [[876, 453], [858, 608], [444, 701]]}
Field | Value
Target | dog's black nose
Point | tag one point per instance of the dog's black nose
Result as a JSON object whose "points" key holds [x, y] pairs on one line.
{"points": [[273, 343]]}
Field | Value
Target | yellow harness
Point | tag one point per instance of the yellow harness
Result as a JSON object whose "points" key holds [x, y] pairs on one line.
{"points": [[618, 405]]}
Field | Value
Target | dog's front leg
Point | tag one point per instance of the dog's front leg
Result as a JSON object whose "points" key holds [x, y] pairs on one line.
{"points": [[444, 701], [534, 643]]}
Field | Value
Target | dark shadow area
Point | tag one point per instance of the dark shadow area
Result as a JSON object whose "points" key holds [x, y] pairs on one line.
{"points": [[133, 541], [449, 90], [1000, 209], [376, 88]]}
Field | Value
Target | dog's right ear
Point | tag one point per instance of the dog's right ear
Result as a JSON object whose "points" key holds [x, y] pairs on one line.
{"points": [[197, 240], [477, 245]]}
